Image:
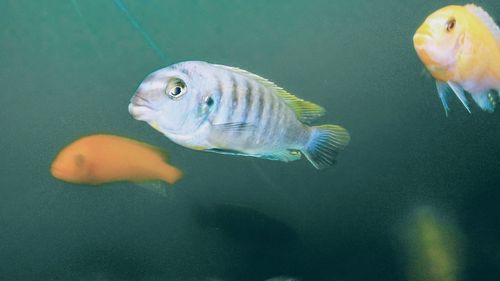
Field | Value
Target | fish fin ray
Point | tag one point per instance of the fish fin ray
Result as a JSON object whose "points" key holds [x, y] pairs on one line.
{"points": [[325, 143], [444, 94], [306, 111], [485, 100], [234, 126], [459, 92], [285, 155], [227, 151], [158, 187], [486, 19]]}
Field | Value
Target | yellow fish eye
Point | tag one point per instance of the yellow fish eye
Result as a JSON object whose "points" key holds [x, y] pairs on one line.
{"points": [[450, 24], [176, 88]]}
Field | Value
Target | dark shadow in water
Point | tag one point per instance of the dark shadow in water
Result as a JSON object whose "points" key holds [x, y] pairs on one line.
{"points": [[481, 219], [270, 246]]}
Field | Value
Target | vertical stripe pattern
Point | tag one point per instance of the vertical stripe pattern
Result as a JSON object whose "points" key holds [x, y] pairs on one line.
{"points": [[250, 116]]}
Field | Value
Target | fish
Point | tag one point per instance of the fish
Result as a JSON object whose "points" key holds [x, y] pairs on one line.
{"points": [[434, 246], [228, 110], [101, 158], [460, 46]]}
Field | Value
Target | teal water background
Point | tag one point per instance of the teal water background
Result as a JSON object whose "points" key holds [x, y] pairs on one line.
{"points": [[69, 68]]}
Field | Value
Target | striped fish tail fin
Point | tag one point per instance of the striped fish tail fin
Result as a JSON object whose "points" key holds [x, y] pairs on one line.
{"points": [[324, 144]]}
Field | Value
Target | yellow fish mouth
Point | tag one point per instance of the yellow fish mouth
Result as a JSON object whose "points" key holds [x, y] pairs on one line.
{"points": [[421, 39]]}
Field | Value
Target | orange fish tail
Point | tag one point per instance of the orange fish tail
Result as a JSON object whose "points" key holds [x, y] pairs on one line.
{"points": [[171, 174]]}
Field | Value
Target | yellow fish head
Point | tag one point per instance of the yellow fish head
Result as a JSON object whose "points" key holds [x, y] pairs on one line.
{"points": [[439, 40]]}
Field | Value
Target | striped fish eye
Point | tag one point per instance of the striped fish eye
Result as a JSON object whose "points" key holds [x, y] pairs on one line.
{"points": [[176, 88]]}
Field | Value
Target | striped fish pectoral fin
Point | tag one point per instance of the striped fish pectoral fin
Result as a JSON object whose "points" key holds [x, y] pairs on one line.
{"points": [[306, 111], [485, 100], [325, 143], [233, 127], [284, 155], [444, 93], [459, 92]]}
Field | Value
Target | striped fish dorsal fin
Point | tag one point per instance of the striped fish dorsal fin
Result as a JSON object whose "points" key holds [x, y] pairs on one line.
{"points": [[486, 19], [306, 111]]}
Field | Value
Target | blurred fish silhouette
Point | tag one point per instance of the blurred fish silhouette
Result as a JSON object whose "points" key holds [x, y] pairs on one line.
{"points": [[99, 159], [434, 248]]}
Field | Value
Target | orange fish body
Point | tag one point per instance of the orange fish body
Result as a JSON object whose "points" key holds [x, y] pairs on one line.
{"points": [[460, 46], [99, 159]]}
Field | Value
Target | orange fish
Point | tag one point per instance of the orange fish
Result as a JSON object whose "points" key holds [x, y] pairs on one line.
{"points": [[99, 159], [460, 46]]}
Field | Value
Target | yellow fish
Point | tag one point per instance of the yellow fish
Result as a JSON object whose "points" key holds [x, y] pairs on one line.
{"points": [[460, 46]]}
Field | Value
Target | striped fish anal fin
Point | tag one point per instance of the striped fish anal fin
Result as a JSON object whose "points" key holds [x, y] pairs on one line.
{"points": [[306, 111], [485, 100], [285, 155], [227, 151], [325, 143]]}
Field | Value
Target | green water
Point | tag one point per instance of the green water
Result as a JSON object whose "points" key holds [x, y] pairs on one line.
{"points": [[69, 68]]}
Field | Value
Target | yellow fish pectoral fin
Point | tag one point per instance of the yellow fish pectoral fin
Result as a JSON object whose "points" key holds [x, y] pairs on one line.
{"points": [[485, 100], [459, 92], [444, 93]]}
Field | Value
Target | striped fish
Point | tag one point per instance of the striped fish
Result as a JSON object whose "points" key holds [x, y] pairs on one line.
{"points": [[228, 110]]}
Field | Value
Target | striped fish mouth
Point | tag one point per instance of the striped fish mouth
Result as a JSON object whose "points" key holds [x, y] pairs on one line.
{"points": [[140, 112], [140, 108]]}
